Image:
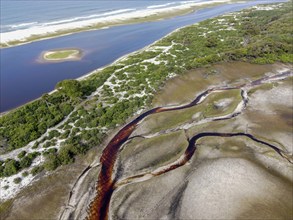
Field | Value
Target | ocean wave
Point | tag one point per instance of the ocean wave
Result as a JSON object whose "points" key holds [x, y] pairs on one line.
{"points": [[21, 25], [81, 18], [119, 11], [12, 27], [91, 20], [161, 6], [194, 1]]}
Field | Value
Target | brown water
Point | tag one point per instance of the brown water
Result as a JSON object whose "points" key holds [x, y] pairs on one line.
{"points": [[106, 184]]}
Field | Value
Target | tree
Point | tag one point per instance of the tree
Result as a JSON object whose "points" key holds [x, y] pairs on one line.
{"points": [[25, 162], [65, 155], [17, 180], [21, 154], [70, 87], [11, 167], [37, 170], [211, 41], [250, 28]]}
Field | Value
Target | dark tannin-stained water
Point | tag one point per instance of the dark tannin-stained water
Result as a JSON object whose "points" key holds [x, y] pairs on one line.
{"points": [[99, 208]]}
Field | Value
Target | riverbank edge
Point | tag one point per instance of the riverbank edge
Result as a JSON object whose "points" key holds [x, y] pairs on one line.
{"points": [[85, 76]]}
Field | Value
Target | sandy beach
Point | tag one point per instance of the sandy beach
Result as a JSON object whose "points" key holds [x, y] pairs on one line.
{"points": [[50, 30]]}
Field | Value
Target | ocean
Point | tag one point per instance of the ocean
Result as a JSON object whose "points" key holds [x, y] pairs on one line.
{"points": [[23, 78], [18, 15], [23, 19]]}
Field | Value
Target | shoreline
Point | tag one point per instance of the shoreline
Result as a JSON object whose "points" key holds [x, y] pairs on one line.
{"points": [[25, 36], [98, 69], [103, 67], [144, 48]]}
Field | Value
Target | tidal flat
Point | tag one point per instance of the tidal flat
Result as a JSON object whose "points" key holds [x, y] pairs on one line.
{"points": [[226, 177], [226, 154]]}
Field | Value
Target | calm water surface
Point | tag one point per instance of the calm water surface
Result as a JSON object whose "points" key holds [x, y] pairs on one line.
{"points": [[23, 78]]}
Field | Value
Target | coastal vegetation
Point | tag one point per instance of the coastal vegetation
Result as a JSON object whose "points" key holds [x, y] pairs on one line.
{"points": [[78, 115]]}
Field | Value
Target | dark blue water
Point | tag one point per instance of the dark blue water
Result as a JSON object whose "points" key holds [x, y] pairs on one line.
{"points": [[24, 79]]}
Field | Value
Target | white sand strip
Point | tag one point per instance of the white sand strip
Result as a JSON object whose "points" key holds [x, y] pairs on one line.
{"points": [[43, 30]]}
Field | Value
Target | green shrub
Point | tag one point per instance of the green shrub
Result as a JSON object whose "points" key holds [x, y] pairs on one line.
{"points": [[11, 167], [25, 173], [52, 162], [36, 170], [17, 180], [53, 133], [21, 154], [70, 87]]}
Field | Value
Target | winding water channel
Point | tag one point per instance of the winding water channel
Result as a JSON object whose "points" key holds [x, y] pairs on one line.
{"points": [[107, 181]]}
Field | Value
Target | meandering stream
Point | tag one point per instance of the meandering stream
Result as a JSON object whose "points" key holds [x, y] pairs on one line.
{"points": [[107, 181]]}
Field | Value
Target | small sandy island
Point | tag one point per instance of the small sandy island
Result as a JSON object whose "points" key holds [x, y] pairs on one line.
{"points": [[61, 55]]}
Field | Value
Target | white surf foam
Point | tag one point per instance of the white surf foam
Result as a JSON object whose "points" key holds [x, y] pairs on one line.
{"points": [[80, 22]]}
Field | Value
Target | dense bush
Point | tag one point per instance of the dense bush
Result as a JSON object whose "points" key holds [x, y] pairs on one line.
{"points": [[36, 170], [17, 180], [21, 154], [71, 88], [25, 174], [11, 167], [30, 121]]}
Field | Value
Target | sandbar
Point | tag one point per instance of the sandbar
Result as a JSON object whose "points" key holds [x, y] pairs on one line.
{"points": [[61, 55]]}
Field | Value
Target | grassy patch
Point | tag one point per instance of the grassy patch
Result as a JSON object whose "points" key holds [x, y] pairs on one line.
{"points": [[61, 54], [264, 87], [183, 88], [142, 154], [5, 207], [208, 108]]}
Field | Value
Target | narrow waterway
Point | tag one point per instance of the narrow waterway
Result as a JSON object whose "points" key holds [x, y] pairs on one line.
{"points": [[23, 78], [106, 184]]}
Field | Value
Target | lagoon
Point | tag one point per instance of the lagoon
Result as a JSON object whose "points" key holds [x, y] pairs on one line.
{"points": [[24, 78]]}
